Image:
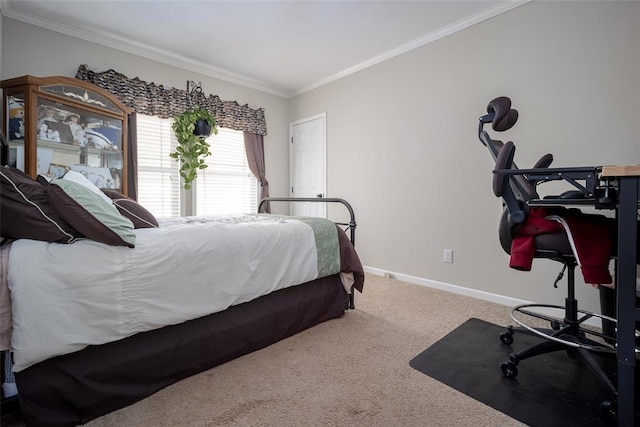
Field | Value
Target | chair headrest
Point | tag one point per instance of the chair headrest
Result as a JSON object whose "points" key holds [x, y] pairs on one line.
{"points": [[504, 117]]}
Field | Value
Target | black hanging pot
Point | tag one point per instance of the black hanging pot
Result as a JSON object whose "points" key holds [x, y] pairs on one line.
{"points": [[203, 128]]}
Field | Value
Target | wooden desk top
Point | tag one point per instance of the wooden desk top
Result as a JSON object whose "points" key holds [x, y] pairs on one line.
{"points": [[628, 170]]}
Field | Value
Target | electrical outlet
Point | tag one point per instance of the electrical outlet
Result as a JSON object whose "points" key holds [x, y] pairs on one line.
{"points": [[448, 256]]}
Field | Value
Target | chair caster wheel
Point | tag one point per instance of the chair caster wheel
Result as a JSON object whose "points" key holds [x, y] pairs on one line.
{"points": [[609, 410], [555, 325], [509, 369], [506, 337]]}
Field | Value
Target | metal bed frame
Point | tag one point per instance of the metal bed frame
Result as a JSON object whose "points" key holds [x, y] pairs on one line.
{"points": [[350, 226]]}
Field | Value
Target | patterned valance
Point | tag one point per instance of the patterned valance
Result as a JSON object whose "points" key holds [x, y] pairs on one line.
{"points": [[153, 100]]}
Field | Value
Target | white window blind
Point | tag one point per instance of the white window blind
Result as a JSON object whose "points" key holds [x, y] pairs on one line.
{"points": [[158, 177], [226, 186]]}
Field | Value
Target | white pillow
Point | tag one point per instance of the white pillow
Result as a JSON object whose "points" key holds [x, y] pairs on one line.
{"points": [[77, 177]]}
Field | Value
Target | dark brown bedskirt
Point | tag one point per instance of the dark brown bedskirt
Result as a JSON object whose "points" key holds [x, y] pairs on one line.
{"points": [[76, 388]]}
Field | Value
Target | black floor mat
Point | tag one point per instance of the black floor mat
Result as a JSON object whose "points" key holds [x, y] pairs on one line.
{"points": [[549, 390]]}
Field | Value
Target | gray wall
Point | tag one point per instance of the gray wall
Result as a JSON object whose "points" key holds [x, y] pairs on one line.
{"points": [[402, 144], [28, 49]]}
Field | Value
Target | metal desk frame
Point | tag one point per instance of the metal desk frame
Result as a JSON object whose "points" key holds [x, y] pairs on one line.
{"points": [[627, 312]]}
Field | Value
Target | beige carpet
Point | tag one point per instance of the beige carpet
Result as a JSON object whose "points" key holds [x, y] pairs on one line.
{"points": [[349, 371]]}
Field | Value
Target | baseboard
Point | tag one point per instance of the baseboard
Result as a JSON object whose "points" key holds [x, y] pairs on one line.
{"points": [[461, 290]]}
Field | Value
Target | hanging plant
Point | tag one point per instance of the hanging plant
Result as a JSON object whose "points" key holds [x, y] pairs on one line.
{"points": [[192, 145]]}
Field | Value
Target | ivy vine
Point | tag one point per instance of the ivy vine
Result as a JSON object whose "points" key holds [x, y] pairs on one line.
{"points": [[191, 149]]}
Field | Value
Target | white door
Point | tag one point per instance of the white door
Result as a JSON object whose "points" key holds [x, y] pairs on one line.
{"points": [[308, 164]]}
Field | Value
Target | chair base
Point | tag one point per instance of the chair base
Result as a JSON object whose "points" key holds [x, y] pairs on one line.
{"points": [[565, 335], [567, 331]]}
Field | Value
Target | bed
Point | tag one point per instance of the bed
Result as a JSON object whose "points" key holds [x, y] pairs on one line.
{"points": [[97, 326]]}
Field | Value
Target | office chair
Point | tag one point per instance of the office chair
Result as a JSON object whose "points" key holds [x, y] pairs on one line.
{"points": [[502, 117], [516, 190]]}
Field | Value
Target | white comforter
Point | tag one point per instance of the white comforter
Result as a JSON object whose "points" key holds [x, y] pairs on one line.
{"points": [[66, 297]]}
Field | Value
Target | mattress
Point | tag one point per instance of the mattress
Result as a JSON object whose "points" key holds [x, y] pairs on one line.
{"points": [[66, 297]]}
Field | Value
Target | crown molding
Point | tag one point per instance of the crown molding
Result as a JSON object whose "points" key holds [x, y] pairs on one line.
{"points": [[140, 49], [143, 50], [500, 8]]}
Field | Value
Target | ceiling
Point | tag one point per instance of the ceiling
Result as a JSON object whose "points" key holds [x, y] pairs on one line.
{"points": [[281, 47]]}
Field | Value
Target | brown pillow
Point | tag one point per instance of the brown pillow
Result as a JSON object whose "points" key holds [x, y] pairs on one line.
{"points": [[25, 212], [131, 209], [85, 209]]}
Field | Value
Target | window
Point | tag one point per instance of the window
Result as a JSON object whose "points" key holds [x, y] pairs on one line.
{"points": [[226, 186], [158, 177]]}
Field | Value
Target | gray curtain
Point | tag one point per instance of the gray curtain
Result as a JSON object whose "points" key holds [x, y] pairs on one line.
{"points": [[254, 146]]}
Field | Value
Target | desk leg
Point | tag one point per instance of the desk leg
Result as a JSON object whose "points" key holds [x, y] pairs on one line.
{"points": [[626, 289]]}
